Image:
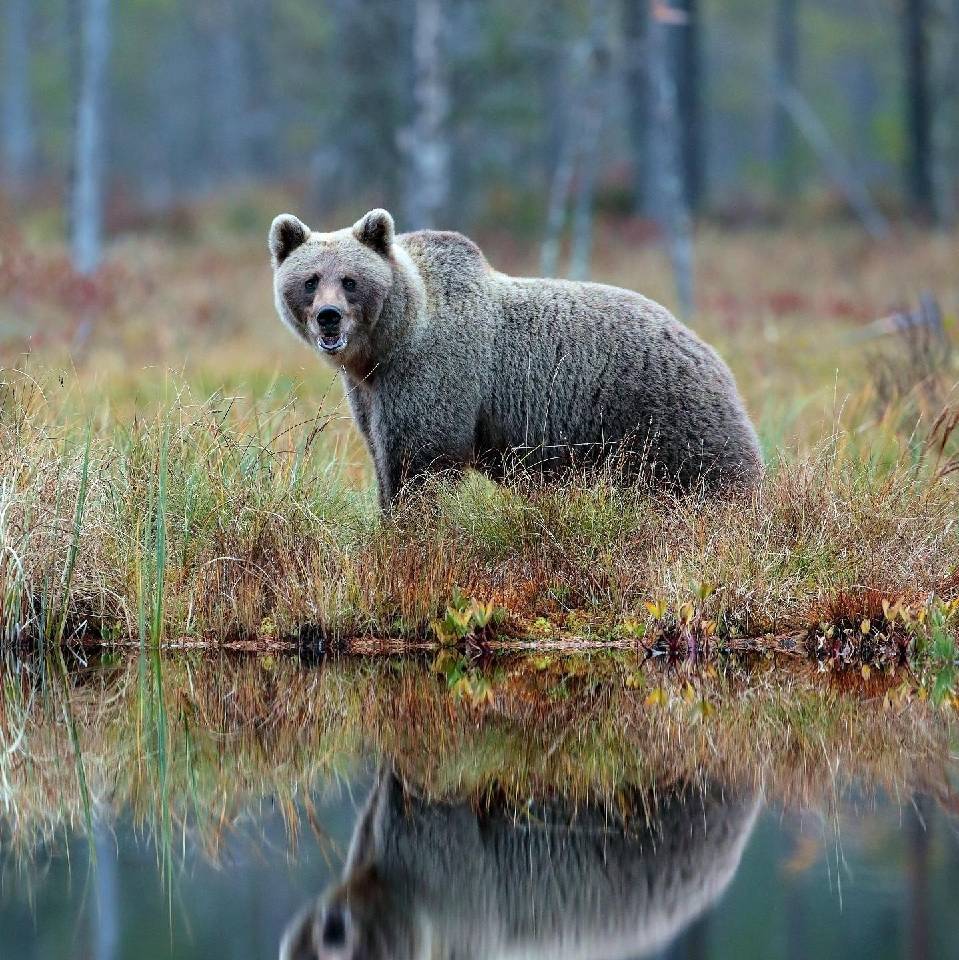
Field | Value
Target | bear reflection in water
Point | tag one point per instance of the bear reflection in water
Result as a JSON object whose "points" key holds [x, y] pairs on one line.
{"points": [[445, 882]]}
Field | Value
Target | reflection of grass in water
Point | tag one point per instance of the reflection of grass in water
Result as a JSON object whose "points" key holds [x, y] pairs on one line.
{"points": [[56, 667], [151, 576], [235, 732]]}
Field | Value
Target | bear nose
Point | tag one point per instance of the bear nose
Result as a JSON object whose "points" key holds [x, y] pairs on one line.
{"points": [[328, 315], [334, 927]]}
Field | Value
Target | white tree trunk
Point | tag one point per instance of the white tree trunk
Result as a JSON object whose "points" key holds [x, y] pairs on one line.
{"points": [[17, 127], [89, 153], [667, 168], [561, 185], [425, 143], [589, 133]]}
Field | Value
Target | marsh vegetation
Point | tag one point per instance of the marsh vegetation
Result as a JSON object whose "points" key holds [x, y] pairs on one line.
{"points": [[186, 742], [229, 501]]}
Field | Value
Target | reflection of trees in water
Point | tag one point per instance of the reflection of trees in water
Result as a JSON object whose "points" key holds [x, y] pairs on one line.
{"points": [[446, 881], [105, 913], [918, 823]]}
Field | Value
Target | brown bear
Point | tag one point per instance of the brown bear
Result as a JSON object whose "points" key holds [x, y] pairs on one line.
{"points": [[448, 363], [546, 881]]}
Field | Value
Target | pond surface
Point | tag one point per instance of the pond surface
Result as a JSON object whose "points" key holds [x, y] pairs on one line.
{"points": [[374, 853]]}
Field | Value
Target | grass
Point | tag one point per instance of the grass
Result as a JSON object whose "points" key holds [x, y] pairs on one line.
{"points": [[230, 501], [215, 526]]}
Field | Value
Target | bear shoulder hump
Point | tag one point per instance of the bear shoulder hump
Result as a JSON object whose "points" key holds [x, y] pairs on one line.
{"points": [[447, 247]]}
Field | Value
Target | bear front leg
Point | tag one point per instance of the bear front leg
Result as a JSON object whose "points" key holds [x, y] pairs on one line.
{"points": [[416, 433], [387, 486], [397, 475]]}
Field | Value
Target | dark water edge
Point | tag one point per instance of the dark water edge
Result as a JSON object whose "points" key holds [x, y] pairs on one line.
{"points": [[530, 805]]}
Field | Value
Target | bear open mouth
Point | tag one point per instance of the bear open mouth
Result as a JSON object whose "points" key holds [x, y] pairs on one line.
{"points": [[332, 341]]}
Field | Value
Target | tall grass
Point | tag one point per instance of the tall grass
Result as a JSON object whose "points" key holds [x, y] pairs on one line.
{"points": [[209, 523], [232, 503]]}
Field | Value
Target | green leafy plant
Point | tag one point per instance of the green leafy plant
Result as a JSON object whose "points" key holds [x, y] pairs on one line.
{"points": [[936, 654], [466, 617], [463, 682]]}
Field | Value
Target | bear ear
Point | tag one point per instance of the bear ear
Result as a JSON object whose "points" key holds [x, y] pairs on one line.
{"points": [[376, 230], [286, 234]]}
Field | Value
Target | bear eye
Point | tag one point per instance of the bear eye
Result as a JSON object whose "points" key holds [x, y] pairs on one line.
{"points": [[349, 284], [310, 285]]}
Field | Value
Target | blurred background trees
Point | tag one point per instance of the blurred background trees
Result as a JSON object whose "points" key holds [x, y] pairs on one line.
{"points": [[92, 27], [17, 119], [528, 117]]}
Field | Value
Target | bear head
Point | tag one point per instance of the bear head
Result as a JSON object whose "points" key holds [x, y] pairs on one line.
{"points": [[330, 287], [360, 920]]}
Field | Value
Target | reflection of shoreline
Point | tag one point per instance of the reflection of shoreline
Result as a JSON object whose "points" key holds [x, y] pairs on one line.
{"points": [[441, 880], [240, 729]]}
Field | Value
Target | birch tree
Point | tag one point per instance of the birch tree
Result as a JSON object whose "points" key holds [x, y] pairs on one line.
{"points": [[589, 133], [687, 70], [17, 125], [576, 169], [425, 142], [89, 154], [561, 184], [635, 28], [667, 168]]}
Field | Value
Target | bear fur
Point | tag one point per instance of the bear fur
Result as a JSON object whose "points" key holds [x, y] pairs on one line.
{"points": [[448, 363], [547, 881]]}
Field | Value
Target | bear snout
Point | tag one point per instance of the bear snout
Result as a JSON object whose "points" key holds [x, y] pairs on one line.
{"points": [[335, 928], [328, 316], [325, 329]]}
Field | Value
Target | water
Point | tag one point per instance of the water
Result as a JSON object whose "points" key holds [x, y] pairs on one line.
{"points": [[482, 852]]}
